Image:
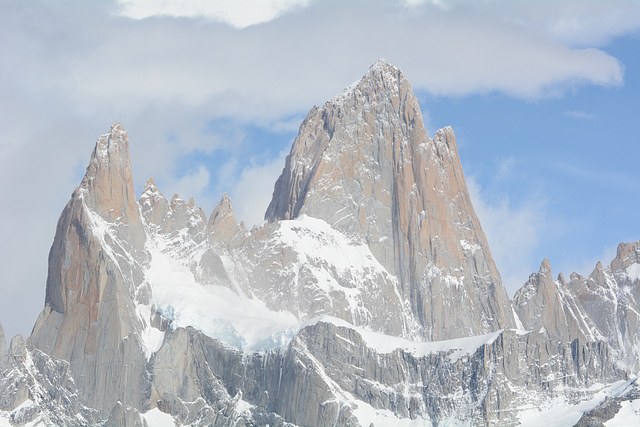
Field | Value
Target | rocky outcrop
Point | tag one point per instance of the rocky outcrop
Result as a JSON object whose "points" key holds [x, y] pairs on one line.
{"points": [[125, 416], [549, 307], [604, 306], [172, 217], [37, 389], [223, 224], [153, 206], [364, 164], [95, 280], [611, 298], [610, 407], [332, 375]]}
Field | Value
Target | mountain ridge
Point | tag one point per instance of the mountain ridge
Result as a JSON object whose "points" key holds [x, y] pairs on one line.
{"points": [[391, 312]]}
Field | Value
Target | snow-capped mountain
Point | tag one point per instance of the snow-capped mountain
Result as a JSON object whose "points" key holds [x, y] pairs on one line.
{"points": [[363, 163], [369, 296], [604, 306]]}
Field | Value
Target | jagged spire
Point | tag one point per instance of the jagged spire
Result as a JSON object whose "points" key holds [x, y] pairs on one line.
{"points": [[382, 95], [223, 224], [107, 187], [153, 206], [545, 267], [364, 164], [561, 279]]}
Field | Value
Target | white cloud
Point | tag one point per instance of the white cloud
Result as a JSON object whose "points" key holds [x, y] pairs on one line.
{"points": [[287, 124], [571, 22], [191, 185], [237, 13], [253, 191], [283, 67], [513, 232]]}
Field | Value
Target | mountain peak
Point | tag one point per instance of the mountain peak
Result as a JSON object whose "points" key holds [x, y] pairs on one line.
{"points": [[545, 267], [107, 187], [380, 62], [363, 163], [627, 254], [116, 127], [153, 206], [561, 279], [383, 68], [116, 139], [223, 223], [382, 80]]}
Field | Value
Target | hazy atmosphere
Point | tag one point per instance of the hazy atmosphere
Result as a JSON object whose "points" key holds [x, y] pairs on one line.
{"points": [[543, 98]]}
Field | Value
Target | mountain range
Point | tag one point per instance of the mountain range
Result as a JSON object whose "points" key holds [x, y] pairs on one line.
{"points": [[368, 296]]}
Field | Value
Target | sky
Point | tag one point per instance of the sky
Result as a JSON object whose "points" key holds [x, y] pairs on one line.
{"points": [[544, 98]]}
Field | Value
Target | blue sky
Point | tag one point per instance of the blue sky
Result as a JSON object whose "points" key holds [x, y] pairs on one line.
{"points": [[543, 97], [564, 169]]}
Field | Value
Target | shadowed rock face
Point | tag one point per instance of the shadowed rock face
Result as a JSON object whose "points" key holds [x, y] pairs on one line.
{"points": [[364, 164]]}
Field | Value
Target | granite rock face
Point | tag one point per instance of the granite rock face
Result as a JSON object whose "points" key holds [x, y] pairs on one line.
{"points": [[95, 280], [549, 307], [37, 389], [329, 374], [223, 224], [369, 297], [611, 298], [604, 306], [364, 164]]}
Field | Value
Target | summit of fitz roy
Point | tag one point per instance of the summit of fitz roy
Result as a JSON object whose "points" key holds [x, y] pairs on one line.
{"points": [[369, 296]]}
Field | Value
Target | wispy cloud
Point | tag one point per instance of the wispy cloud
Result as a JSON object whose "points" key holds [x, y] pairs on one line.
{"points": [[586, 267], [513, 232], [580, 115], [505, 168], [237, 13], [253, 191], [191, 185]]}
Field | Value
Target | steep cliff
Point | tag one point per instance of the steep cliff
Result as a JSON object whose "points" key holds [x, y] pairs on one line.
{"points": [[364, 164], [95, 281], [370, 296], [604, 306]]}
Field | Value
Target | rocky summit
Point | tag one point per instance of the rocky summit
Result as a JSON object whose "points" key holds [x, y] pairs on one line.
{"points": [[363, 163], [368, 297]]}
